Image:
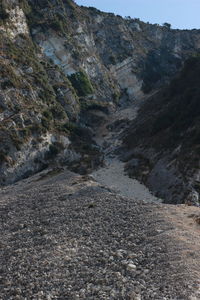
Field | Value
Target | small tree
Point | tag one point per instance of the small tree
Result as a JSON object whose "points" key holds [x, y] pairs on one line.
{"points": [[168, 25], [3, 14]]}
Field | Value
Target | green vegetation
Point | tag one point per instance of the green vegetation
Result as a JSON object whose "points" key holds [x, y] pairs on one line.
{"points": [[67, 127], [25, 6], [70, 3], [58, 112], [81, 83], [37, 13], [94, 10], [48, 114], [168, 25], [88, 104], [112, 59], [57, 25], [3, 157], [27, 78], [11, 79], [36, 129], [3, 14], [116, 96], [52, 152]]}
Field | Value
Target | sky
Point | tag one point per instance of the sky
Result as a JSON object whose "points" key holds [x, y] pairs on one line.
{"points": [[182, 14]]}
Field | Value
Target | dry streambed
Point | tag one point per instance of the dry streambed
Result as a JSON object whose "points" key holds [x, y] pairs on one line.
{"points": [[112, 175]]}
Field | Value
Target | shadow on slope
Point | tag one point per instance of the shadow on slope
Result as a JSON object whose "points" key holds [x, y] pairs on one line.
{"points": [[167, 129]]}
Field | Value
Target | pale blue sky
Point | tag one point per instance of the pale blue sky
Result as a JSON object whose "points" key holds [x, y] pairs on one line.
{"points": [[183, 14]]}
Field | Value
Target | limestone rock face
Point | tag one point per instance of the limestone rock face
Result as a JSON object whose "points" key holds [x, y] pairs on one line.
{"points": [[57, 60], [17, 23], [117, 54]]}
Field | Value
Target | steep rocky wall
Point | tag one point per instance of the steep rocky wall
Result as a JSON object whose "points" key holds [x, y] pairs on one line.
{"points": [[108, 47], [43, 44], [116, 53], [37, 101], [162, 145]]}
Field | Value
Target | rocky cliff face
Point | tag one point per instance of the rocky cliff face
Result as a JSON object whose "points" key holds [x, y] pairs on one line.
{"points": [[59, 63], [163, 143]]}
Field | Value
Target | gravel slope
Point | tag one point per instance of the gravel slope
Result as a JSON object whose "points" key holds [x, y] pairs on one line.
{"points": [[69, 237], [112, 176], [64, 236]]}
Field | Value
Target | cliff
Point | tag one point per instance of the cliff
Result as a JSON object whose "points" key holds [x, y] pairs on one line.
{"points": [[61, 64], [163, 143]]}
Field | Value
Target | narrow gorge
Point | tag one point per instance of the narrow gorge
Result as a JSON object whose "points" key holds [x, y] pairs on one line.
{"points": [[79, 65], [99, 155]]}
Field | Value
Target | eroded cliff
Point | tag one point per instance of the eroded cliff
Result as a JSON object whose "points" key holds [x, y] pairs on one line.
{"points": [[60, 65]]}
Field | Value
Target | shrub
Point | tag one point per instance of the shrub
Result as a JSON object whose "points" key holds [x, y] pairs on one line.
{"points": [[45, 123], [70, 127], [37, 129], [47, 114], [3, 14], [11, 79], [52, 152], [2, 157], [57, 25], [168, 25], [58, 112], [25, 6], [112, 59], [116, 96], [81, 83]]}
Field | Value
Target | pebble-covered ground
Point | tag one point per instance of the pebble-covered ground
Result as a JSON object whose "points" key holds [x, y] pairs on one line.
{"points": [[63, 236], [113, 175]]}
